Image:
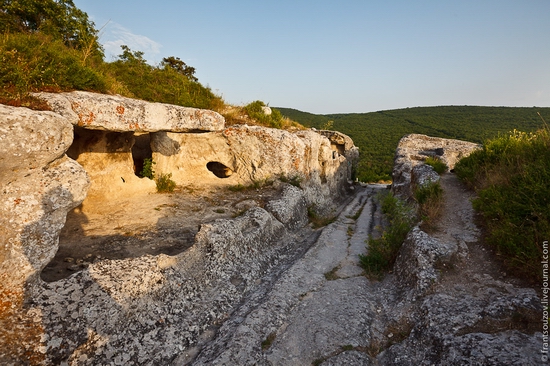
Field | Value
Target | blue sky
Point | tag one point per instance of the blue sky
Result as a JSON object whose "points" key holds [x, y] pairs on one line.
{"points": [[344, 56]]}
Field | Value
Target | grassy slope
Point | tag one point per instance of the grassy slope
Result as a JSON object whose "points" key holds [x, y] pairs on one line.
{"points": [[511, 177], [377, 133]]}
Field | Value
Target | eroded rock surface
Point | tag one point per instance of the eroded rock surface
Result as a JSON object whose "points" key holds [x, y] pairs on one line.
{"points": [[120, 114], [412, 151], [150, 308]]}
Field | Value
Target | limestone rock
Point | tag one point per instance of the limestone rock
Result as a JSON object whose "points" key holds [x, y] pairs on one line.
{"points": [[415, 266], [422, 175], [39, 187], [413, 149], [30, 140], [119, 114], [290, 209], [113, 160], [246, 154]]}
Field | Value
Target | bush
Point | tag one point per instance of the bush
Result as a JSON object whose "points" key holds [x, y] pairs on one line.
{"points": [[383, 251], [165, 184], [255, 111], [511, 176], [36, 62], [147, 171], [429, 198], [439, 166]]}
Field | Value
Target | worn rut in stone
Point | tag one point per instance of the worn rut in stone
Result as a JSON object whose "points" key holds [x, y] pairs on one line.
{"points": [[322, 311]]}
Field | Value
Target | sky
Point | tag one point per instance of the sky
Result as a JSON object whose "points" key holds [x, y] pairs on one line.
{"points": [[345, 56]]}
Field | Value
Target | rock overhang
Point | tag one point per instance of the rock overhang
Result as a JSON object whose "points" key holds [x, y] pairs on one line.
{"points": [[120, 114]]}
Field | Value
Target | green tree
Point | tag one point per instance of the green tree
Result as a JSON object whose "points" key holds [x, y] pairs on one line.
{"points": [[179, 66], [60, 19]]}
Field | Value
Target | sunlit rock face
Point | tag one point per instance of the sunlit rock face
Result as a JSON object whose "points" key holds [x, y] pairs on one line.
{"points": [[120, 114], [247, 154], [414, 149]]}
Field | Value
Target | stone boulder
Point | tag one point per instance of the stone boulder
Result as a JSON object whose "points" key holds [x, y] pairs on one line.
{"points": [[39, 186], [290, 209], [414, 149], [119, 114]]}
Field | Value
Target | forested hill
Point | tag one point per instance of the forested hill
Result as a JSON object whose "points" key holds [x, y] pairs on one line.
{"points": [[377, 133]]}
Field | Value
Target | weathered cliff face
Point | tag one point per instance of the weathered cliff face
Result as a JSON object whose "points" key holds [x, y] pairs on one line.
{"points": [[113, 136], [248, 154], [171, 301], [39, 186]]}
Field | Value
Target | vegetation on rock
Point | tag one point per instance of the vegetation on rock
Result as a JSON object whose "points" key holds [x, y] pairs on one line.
{"points": [[439, 166], [429, 197], [382, 252], [165, 184]]}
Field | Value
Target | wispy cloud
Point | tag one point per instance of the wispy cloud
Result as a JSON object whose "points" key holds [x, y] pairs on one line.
{"points": [[114, 35]]}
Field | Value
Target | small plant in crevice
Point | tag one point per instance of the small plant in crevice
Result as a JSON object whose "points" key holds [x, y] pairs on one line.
{"points": [[331, 275], [429, 198], [165, 184], [439, 166], [295, 180], [317, 220], [268, 341], [356, 215], [382, 252], [147, 171]]}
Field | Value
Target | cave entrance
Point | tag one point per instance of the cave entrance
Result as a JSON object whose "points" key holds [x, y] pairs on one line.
{"points": [[141, 150], [219, 169]]}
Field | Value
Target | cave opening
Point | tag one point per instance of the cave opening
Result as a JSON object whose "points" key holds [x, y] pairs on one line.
{"points": [[220, 170], [141, 150]]}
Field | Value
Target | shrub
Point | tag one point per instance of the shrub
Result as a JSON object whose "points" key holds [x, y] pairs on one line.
{"points": [[429, 198], [147, 171], [165, 183], [439, 166], [511, 176], [383, 251], [36, 62], [255, 111]]}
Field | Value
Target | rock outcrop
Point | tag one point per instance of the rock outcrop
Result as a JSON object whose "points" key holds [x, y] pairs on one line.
{"points": [[152, 308], [39, 187], [122, 133], [459, 307], [412, 151], [248, 154], [120, 114]]}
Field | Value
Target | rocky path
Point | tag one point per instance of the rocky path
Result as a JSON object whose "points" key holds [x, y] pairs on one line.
{"points": [[319, 307], [447, 302]]}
